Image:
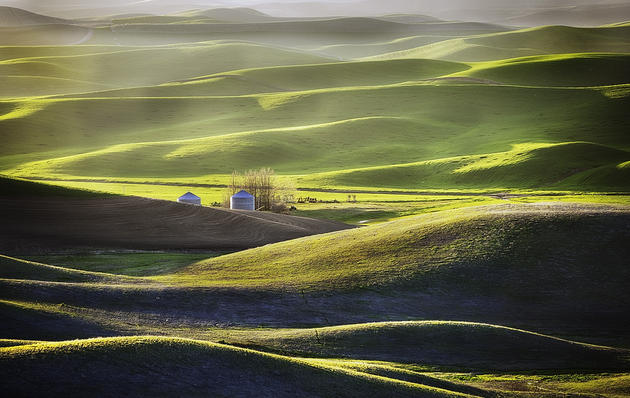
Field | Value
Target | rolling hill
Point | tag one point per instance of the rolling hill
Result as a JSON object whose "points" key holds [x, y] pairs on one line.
{"points": [[446, 126], [122, 67], [503, 265], [297, 33], [527, 42], [36, 218], [187, 367], [294, 78], [463, 280], [557, 166], [10, 16], [441, 249], [460, 344], [43, 35], [571, 70]]}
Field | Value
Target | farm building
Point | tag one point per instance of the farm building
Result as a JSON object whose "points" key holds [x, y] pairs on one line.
{"points": [[190, 198], [243, 201]]}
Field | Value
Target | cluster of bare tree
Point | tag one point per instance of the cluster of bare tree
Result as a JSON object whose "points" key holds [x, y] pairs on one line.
{"points": [[271, 192]]}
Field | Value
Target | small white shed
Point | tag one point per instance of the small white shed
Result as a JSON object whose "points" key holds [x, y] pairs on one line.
{"points": [[190, 198], [243, 201]]}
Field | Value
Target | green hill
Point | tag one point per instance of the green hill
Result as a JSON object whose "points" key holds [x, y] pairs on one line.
{"points": [[43, 35], [10, 16], [296, 78], [573, 70], [17, 52], [302, 33], [138, 67], [526, 42], [482, 245], [35, 321], [13, 268], [237, 14], [446, 126], [460, 344], [555, 166], [505, 265], [187, 367], [350, 51]]}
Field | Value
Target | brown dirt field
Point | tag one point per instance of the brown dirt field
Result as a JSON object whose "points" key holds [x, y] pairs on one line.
{"points": [[32, 224]]}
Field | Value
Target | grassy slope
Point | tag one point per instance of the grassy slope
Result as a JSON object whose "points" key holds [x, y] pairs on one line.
{"points": [[527, 42], [42, 35], [370, 126], [479, 245], [461, 344], [295, 33], [572, 166], [126, 67], [377, 47], [10, 16], [297, 78], [133, 264], [37, 321], [13, 268], [573, 70], [185, 367]]}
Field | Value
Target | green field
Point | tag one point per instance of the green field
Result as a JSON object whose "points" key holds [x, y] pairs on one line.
{"points": [[278, 301], [462, 193]]}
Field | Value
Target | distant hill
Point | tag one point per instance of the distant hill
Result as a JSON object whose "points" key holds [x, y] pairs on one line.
{"points": [[409, 18], [10, 16], [436, 134], [237, 14], [535, 41], [581, 15], [123, 66], [42, 35]]}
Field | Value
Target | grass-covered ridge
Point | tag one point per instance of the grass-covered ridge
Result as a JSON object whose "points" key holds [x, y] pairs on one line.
{"points": [[14, 268], [480, 245], [547, 166], [520, 43], [186, 367], [15, 187], [571, 70], [124, 67], [367, 126], [458, 344], [297, 78]]}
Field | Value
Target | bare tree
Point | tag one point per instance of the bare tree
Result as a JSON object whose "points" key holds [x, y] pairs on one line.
{"points": [[267, 188]]}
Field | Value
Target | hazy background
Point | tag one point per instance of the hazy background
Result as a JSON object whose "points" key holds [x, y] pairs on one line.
{"points": [[531, 12]]}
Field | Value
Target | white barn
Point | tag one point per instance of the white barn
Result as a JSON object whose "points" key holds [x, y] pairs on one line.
{"points": [[190, 198], [243, 201]]}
